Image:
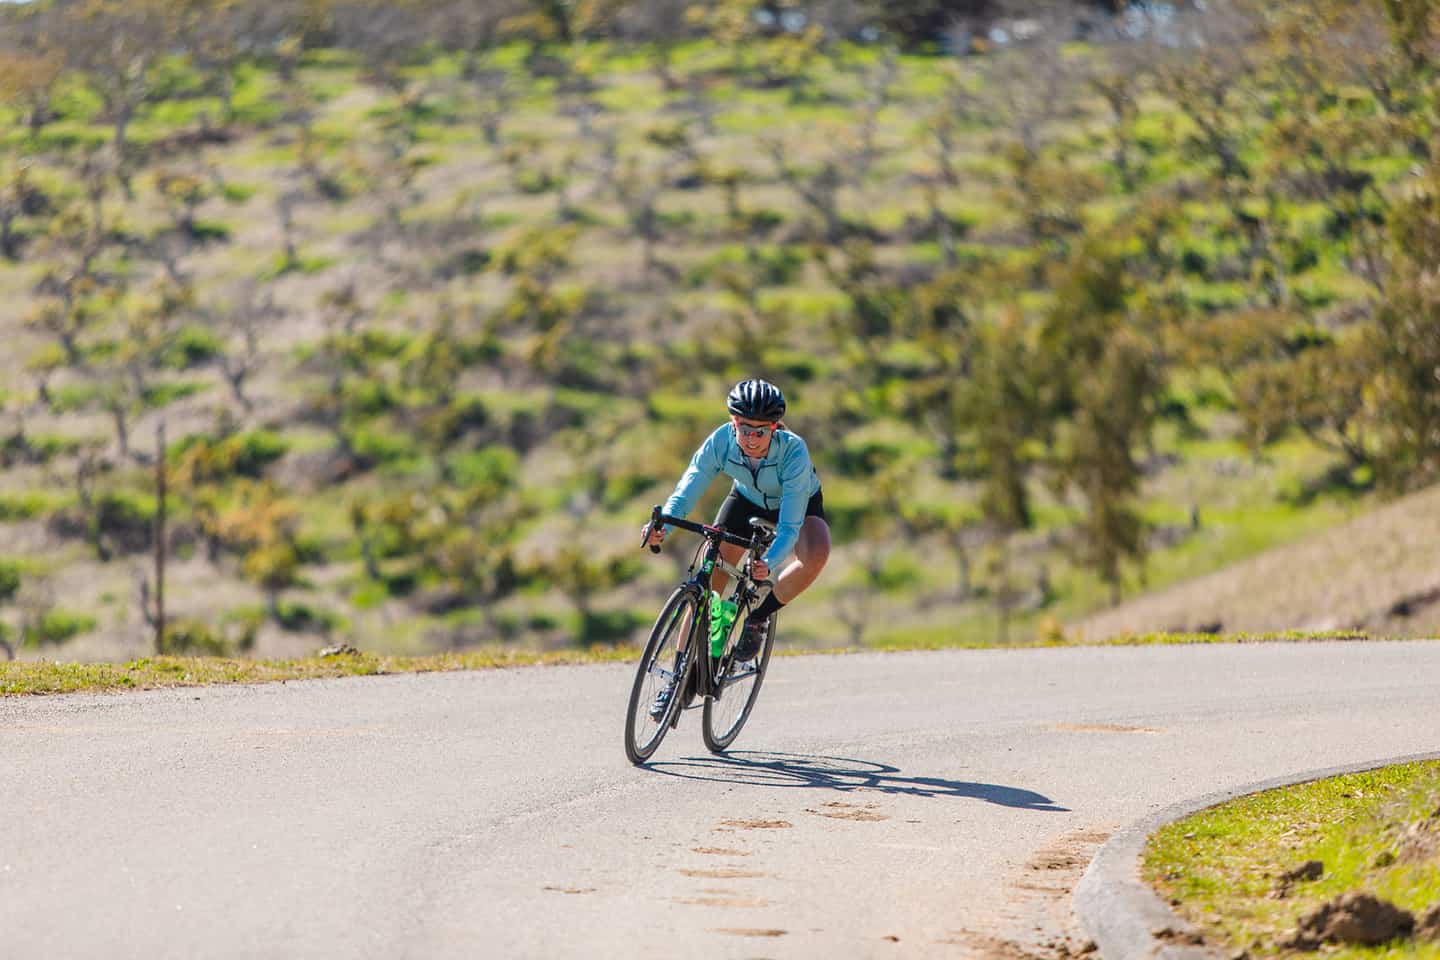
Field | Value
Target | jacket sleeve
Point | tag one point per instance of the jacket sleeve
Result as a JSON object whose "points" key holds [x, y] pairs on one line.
{"points": [[704, 466], [795, 473]]}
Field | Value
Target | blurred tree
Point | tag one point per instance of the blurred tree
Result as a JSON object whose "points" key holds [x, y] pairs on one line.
{"points": [[1406, 338], [638, 192], [183, 192], [1117, 72], [389, 37], [241, 325], [28, 76], [262, 525], [124, 373], [117, 45], [1103, 379], [818, 189], [9, 588], [222, 35], [459, 536], [583, 574]]}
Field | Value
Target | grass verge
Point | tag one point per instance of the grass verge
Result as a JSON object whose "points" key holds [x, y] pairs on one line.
{"points": [[39, 677], [20, 677], [1225, 869]]}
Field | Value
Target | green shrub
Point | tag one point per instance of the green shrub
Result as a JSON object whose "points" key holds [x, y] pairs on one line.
{"points": [[774, 266], [234, 634], [163, 394], [35, 448], [237, 193], [56, 627], [307, 264], [9, 580], [250, 453], [494, 466], [126, 518], [465, 263], [191, 346], [25, 506], [369, 594], [242, 454], [301, 617], [68, 137], [206, 231], [381, 443], [537, 181], [900, 571], [611, 626], [369, 398], [73, 397]]}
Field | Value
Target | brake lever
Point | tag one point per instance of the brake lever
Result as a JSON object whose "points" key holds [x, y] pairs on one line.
{"points": [[649, 529]]}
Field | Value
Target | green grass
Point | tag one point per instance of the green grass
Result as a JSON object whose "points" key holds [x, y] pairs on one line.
{"points": [[21, 677], [24, 677], [1368, 830]]}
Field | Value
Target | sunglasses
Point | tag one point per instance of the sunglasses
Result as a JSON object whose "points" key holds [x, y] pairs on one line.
{"points": [[746, 430]]}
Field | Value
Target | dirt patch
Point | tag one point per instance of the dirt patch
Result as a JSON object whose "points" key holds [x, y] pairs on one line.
{"points": [[1071, 852], [848, 811], [722, 873], [987, 947], [1054, 859], [1038, 893], [1419, 842], [1307, 871], [758, 824], [721, 901], [1428, 926], [1102, 728], [748, 932], [720, 852], [1358, 918], [1184, 936]]}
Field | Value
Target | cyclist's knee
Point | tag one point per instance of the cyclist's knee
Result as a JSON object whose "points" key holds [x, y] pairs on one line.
{"points": [[813, 548]]}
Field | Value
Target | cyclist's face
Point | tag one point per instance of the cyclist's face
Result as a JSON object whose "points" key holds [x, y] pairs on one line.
{"points": [[753, 435]]}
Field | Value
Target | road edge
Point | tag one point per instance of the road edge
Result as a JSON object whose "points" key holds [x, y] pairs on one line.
{"points": [[1125, 918]]}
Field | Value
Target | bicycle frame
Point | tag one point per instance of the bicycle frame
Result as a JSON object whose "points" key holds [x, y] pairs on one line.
{"points": [[744, 594]]}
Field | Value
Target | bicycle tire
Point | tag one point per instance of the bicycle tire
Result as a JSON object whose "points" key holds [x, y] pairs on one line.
{"points": [[676, 620], [718, 741]]}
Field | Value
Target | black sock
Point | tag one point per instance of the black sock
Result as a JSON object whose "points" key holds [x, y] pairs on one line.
{"points": [[769, 605]]}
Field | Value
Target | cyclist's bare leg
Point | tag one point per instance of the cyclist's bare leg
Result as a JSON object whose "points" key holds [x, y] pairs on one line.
{"points": [[811, 552]]}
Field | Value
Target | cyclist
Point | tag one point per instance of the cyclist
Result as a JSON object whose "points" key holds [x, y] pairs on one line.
{"points": [[774, 479]]}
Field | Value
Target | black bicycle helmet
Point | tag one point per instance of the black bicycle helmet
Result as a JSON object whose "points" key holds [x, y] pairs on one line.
{"points": [[756, 399]]}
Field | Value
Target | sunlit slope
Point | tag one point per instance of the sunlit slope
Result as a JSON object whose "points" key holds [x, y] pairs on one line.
{"points": [[1379, 572]]}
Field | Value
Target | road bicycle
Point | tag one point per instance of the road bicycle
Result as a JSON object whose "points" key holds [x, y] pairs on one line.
{"points": [[690, 650]]}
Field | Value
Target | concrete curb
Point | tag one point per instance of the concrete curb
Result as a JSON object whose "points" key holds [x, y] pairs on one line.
{"points": [[1125, 917]]}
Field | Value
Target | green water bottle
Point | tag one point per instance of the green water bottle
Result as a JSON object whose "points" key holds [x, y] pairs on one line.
{"points": [[722, 614]]}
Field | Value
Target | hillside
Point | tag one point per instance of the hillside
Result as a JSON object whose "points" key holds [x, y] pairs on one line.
{"points": [[431, 320], [1375, 573]]}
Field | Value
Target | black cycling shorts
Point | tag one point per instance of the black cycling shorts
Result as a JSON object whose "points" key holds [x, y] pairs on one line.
{"points": [[736, 511]]}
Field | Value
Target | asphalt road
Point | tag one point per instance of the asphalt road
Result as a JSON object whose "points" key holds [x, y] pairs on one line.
{"points": [[905, 805]]}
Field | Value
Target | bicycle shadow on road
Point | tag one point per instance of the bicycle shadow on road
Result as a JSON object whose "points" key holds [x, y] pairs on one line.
{"points": [[757, 768]]}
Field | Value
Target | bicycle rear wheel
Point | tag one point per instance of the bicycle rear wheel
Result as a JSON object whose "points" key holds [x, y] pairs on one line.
{"points": [[726, 714], [660, 667]]}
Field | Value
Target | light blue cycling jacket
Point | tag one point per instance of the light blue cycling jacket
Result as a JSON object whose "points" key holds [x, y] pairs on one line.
{"points": [[784, 480]]}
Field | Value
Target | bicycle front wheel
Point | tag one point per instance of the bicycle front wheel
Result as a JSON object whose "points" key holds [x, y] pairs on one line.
{"points": [[726, 714], [648, 718]]}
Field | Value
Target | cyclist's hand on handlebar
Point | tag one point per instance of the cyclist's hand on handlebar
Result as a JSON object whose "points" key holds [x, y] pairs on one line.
{"points": [[759, 569], [656, 537]]}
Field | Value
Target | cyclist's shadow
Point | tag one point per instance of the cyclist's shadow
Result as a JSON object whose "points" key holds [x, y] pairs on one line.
{"points": [[760, 768]]}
